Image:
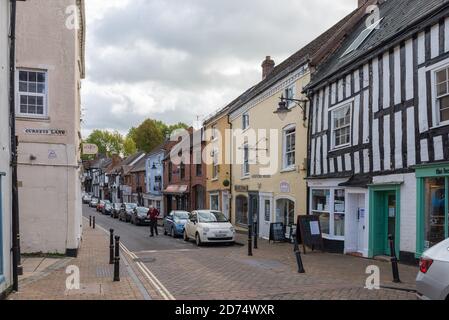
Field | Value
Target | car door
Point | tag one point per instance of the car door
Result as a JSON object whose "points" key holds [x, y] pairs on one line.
{"points": [[190, 227], [169, 222]]}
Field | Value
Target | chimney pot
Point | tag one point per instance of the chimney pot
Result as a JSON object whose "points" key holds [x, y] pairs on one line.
{"points": [[267, 66]]}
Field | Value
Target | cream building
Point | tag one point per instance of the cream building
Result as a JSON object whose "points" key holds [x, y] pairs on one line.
{"points": [[269, 170], [49, 68], [5, 156]]}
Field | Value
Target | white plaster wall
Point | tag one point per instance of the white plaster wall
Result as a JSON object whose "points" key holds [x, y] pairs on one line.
{"points": [[49, 195], [408, 208], [5, 146]]}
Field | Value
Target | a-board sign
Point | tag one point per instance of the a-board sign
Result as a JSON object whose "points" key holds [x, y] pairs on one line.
{"points": [[309, 234], [277, 232]]}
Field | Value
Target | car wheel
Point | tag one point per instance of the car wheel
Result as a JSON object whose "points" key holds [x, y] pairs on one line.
{"points": [[198, 240], [173, 233], [165, 231], [186, 238]]}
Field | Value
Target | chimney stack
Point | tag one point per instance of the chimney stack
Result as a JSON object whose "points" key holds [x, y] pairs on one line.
{"points": [[267, 66]]}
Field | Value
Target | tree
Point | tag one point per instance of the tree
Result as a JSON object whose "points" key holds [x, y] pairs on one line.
{"points": [[129, 146], [108, 143], [148, 135]]}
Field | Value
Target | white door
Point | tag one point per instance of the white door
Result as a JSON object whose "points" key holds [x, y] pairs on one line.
{"points": [[225, 203], [265, 217]]}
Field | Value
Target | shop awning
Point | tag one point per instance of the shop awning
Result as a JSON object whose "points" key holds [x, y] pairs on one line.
{"points": [[176, 189], [358, 181]]}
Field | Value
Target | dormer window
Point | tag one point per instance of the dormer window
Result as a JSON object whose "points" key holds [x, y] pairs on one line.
{"points": [[362, 37]]}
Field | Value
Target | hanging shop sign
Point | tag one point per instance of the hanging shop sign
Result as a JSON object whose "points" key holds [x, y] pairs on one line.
{"points": [[90, 149]]}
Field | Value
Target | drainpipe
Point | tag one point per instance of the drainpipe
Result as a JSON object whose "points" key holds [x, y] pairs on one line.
{"points": [[17, 268], [230, 172]]}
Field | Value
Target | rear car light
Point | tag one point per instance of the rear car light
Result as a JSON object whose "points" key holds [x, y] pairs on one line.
{"points": [[424, 264]]}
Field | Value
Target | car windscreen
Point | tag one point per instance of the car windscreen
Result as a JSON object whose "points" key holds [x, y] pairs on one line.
{"points": [[142, 210], [181, 215], [131, 206], [205, 216]]}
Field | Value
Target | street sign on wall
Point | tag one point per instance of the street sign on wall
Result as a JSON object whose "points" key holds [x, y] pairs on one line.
{"points": [[90, 149]]}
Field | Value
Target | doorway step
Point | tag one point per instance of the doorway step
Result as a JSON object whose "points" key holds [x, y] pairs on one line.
{"points": [[383, 258], [355, 254]]}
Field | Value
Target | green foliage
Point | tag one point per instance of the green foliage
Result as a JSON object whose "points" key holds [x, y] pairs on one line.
{"points": [[129, 146], [108, 143]]}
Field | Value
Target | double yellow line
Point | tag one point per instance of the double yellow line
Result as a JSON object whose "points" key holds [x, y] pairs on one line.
{"points": [[163, 291]]}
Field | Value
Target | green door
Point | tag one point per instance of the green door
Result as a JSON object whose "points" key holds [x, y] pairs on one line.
{"points": [[384, 215]]}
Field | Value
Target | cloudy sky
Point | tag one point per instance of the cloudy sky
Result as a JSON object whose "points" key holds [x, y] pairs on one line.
{"points": [[176, 60]]}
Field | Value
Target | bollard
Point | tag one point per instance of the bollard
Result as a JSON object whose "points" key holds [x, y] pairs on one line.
{"points": [[250, 236], [93, 222], [117, 259], [255, 235], [111, 246], [394, 260], [90, 221], [299, 262]]}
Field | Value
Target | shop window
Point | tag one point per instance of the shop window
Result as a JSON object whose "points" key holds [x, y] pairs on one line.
{"points": [[267, 210], [214, 202], [241, 206], [435, 215], [329, 206]]}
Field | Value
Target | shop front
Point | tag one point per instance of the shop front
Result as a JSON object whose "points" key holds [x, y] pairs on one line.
{"points": [[432, 206], [343, 214]]}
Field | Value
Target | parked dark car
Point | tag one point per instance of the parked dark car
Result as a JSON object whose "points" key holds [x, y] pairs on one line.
{"points": [[116, 210], [126, 211], [140, 216], [107, 208], [175, 222]]}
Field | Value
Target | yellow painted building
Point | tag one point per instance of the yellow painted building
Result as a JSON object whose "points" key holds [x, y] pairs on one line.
{"points": [[272, 189]]}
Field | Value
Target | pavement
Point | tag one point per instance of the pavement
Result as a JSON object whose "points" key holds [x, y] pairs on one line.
{"points": [[163, 268]]}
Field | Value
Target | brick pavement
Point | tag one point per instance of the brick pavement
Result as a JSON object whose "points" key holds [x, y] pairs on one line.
{"points": [[219, 272], [95, 276]]}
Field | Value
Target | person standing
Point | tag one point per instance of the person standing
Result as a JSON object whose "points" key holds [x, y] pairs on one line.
{"points": [[153, 215]]}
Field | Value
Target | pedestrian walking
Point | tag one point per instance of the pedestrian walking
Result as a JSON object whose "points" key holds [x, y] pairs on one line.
{"points": [[153, 214]]}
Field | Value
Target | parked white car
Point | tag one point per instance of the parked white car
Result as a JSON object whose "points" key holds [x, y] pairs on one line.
{"points": [[432, 282], [208, 226]]}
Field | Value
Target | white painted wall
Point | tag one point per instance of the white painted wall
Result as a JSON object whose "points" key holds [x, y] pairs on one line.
{"points": [[5, 148], [50, 188]]}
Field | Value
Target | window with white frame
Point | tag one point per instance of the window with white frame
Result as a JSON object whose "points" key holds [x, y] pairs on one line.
{"points": [[214, 134], [442, 94], [245, 121], [32, 93], [289, 93], [329, 206], [289, 160], [341, 126], [215, 164], [214, 202], [245, 168]]}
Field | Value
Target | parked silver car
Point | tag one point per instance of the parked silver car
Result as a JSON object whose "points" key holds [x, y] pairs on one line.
{"points": [[432, 282]]}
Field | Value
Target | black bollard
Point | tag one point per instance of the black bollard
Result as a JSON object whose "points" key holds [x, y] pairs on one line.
{"points": [[250, 236], [117, 259], [394, 260], [255, 235], [111, 246], [93, 222], [299, 262], [90, 221]]}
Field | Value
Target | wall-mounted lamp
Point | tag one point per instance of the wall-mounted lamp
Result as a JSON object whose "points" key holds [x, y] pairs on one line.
{"points": [[283, 109]]}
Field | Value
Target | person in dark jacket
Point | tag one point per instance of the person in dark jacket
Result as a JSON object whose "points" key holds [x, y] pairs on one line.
{"points": [[153, 214]]}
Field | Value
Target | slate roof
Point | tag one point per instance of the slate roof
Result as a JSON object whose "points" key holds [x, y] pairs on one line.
{"points": [[140, 165], [399, 16]]}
